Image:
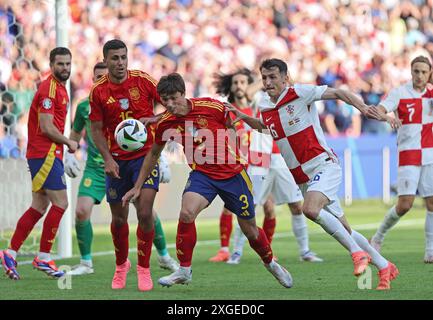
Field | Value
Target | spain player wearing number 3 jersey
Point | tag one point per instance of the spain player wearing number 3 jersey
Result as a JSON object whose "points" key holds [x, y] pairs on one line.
{"points": [[200, 125], [119, 95], [413, 104], [291, 117], [44, 157]]}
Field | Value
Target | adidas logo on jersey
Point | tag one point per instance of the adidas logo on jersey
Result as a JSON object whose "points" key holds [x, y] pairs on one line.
{"points": [[111, 100]]}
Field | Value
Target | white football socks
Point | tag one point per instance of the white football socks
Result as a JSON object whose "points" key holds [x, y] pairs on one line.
{"points": [[87, 263], [300, 230], [335, 228], [391, 218], [429, 233], [238, 240], [379, 261], [13, 253], [44, 256]]}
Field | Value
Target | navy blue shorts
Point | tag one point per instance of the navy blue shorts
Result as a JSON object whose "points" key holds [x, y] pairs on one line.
{"points": [[47, 173], [128, 171], [235, 192]]}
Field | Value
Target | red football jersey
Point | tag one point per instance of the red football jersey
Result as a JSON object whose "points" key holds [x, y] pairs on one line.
{"points": [[112, 103], [51, 98], [204, 136], [243, 131]]}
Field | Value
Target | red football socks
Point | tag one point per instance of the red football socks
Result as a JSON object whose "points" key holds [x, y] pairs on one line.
{"points": [[24, 226], [120, 237], [144, 246], [226, 226], [269, 228], [49, 231], [185, 242], [262, 247]]}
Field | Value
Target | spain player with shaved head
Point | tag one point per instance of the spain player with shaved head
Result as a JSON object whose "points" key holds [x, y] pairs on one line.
{"points": [[119, 95]]}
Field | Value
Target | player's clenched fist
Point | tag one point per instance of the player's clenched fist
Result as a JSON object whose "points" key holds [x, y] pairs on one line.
{"points": [[72, 146]]}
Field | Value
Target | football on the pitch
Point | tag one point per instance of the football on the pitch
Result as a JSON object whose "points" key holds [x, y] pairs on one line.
{"points": [[131, 135]]}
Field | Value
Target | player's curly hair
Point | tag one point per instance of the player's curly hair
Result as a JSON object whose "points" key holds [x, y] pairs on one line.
{"points": [[223, 82]]}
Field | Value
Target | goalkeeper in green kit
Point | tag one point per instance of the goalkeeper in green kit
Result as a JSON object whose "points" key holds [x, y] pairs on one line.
{"points": [[92, 190]]}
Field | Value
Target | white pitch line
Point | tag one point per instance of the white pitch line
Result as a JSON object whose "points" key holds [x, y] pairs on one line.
{"points": [[367, 226]]}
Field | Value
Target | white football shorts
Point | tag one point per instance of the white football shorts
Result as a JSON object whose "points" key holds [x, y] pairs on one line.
{"points": [[413, 178], [280, 183]]}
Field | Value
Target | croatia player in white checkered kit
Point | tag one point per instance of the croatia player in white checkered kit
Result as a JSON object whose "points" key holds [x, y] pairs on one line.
{"points": [[293, 122], [413, 104], [273, 184]]}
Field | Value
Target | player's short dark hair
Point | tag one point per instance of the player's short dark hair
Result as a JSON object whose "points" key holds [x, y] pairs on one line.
{"points": [[100, 65], [422, 59], [274, 63], [59, 51], [171, 84], [113, 45], [223, 82]]}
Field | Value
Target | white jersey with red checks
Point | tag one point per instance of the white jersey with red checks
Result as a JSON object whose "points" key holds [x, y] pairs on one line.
{"points": [[415, 136], [294, 124]]}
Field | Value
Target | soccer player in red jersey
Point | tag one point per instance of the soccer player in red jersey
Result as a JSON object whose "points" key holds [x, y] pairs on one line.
{"points": [[200, 125], [44, 156], [119, 95], [413, 104], [290, 115]]}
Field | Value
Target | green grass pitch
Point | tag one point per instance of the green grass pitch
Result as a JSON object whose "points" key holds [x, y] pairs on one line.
{"points": [[331, 279]]}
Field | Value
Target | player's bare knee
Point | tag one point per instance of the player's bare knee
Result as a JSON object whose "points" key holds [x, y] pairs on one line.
{"points": [[296, 208], [82, 214], [403, 208], [118, 221], [310, 212], [429, 203], [186, 216], [251, 233]]}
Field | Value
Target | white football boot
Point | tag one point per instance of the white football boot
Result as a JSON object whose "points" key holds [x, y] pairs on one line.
{"points": [[183, 275], [280, 273], [168, 263]]}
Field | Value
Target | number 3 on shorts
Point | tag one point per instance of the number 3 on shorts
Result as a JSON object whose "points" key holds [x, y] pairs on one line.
{"points": [[244, 199]]}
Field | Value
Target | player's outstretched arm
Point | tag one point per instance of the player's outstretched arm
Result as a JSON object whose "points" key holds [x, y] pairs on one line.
{"points": [[50, 130], [149, 163], [254, 123], [352, 99], [394, 122]]}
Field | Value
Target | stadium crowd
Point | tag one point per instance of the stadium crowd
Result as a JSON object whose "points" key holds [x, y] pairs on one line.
{"points": [[365, 45]]}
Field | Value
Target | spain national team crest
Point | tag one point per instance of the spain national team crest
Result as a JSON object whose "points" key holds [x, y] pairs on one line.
{"points": [[124, 104], [112, 193], [134, 93], [202, 123]]}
